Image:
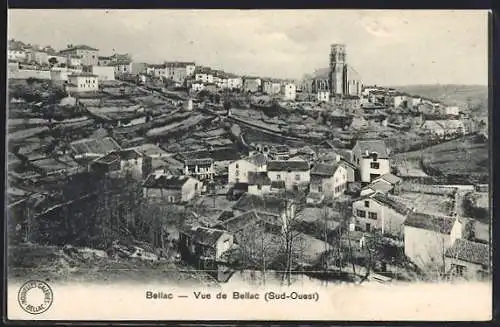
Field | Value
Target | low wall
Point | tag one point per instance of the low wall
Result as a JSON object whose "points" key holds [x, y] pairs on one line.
{"points": [[428, 189], [29, 73]]}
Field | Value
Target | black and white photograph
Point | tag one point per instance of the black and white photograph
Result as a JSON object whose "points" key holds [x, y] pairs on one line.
{"points": [[248, 164]]}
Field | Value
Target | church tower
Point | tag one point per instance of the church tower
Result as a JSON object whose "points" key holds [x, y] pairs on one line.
{"points": [[338, 70]]}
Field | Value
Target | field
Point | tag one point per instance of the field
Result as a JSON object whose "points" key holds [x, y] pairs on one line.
{"points": [[474, 97], [460, 157]]}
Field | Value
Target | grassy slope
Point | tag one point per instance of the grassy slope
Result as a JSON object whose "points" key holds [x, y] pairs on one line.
{"points": [[475, 96], [460, 156]]}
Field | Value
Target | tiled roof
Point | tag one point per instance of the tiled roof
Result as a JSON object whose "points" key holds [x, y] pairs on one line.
{"points": [[258, 178], [377, 146], [99, 146], [391, 202], [278, 165], [258, 159], [200, 161], [468, 251], [250, 218], [322, 169], [440, 224], [379, 186], [205, 236], [389, 178], [270, 204], [166, 182]]}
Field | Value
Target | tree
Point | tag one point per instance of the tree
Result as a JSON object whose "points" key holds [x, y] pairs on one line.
{"points": [[53, 61]]}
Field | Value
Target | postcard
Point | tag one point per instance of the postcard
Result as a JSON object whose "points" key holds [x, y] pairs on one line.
{"points": [[216, 165]]}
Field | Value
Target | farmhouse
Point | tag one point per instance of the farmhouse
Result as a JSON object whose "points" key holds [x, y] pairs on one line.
{"points": [[468, 259], [295, 174], [328, 180], [372, 159], [204, 243], [428, 236], [173, 189], [238, 170]]}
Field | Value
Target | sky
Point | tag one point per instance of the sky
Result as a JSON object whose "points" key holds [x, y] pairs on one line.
{"points": [[387, 47]]}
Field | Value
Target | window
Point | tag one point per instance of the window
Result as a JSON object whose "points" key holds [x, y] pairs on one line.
{"points": [[259, 187], [196, 187], [367, 204], [458, 270], [297, 177], [237, 166], [372, 215], [320, 188], [374, 165], [361, 213], [237, 173], [278, 176]]}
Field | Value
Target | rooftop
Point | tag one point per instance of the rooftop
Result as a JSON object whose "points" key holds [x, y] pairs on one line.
{"points": [[440, 224], [204, 235], [250, 218], [166, 182], [477, 253], [322, 169], [373, 146], [96, 146], [279, 165], [269, 204], [79, 47], [389, 178]]}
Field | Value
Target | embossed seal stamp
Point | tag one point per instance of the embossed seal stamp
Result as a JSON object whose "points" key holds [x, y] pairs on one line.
{"points": [[35, 297]]}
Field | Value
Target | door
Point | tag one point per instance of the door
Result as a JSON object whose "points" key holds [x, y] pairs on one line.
{"points": [[368, 227]]}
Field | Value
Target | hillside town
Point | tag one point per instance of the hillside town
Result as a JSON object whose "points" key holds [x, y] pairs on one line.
{"points": [[113, 162]]}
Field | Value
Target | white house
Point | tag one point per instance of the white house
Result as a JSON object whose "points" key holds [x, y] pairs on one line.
{"points": [[329, 180], [239, 169], [104, 73], [380, 212], [289, 91], [372, 159], [118, 163], [83, 82], [205, 243], [123, 68], [173, 189], [398, 100], [16, 54], [387, 183], [323, 96], [204, 77], [427, 237], [201, 168], [468, 259], [295, 174]]}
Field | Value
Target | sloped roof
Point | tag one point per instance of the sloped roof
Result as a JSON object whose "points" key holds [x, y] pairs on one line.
{"points": [[204, 235], [166, 182], [249, 218], [440, 224], [269, 204], [258, 159], [468, 251], [379, 187], [322, 169], [94, 145], [281, 165], [392, 202], [389, 178], [377, 146], [258, 178]]}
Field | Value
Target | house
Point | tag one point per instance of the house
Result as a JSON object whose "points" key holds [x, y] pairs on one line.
{"points": [[289, 92], [239, 169], [323, 96], [328, 180], [104, 73], [387, 183], [258, 183], [381, 212], [173, 189], [295, 174], [92, 148], [428, 236], [372, 159], [271, 87], [204, 243], [119, 163], [83, 82], [179, 71], [249, 221], [197, 86], [122, 67], [443, 128], [73, 61], [104, 60], [204, 75], [399, 101], [17, 54], [202, 168], [251, 84], [89, 56], [232, 82], [269, 204], [151, 150], [468, 259]]}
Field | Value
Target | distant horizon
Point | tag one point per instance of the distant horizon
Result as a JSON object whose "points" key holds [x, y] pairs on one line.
{"points": [[387, 47]]}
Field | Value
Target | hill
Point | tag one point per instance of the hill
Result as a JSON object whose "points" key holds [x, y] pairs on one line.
{"points": [[471, 97]]}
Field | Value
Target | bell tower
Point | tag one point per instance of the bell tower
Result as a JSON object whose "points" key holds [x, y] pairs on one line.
{"points": [[338, 70]]}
